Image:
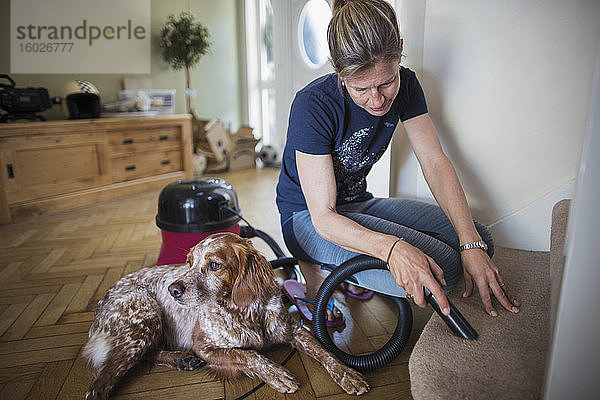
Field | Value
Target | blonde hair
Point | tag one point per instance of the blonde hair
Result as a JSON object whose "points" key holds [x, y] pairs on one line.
{"points": [[362, 33]]}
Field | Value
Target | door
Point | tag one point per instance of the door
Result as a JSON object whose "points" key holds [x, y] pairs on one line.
{"points": [[307, 59], [286, 49], [309, 53], [304, 53]]}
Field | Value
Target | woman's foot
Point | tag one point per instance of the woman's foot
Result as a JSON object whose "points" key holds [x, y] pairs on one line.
{"points": [[314, 277], [355, 291], [296, 292], [333, 313]]}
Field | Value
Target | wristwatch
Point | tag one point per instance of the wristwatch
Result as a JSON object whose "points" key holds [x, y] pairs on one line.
{"points": [[474, 245]]}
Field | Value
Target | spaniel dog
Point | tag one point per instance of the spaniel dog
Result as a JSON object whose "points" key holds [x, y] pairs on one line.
{"points": [[216, 311]]}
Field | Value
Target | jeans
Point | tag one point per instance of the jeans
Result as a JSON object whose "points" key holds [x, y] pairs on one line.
{"points": [[423, 225]]}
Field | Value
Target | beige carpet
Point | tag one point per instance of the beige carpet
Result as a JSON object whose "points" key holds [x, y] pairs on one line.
{"points": [[508, 360], [558, 236]]}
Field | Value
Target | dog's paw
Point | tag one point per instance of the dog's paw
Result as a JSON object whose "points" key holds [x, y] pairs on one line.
{"points": [[189, 363], [89, 395], [352, 382], [93, 395], [284, 382]]}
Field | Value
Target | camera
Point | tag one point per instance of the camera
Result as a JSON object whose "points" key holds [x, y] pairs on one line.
{"points": [[23, 103]]}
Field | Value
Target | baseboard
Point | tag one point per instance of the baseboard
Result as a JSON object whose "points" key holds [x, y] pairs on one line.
{"points": [[529, 227]]}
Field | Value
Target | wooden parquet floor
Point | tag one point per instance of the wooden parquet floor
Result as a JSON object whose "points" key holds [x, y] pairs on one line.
{"points": [[54, 269]]}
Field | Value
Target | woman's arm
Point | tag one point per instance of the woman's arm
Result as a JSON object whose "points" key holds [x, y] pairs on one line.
{"points": [[411, 268], [447, 190], [441, 176]]}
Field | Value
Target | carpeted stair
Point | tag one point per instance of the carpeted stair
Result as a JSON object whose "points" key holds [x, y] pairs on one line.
{"points": [[508, 361]]}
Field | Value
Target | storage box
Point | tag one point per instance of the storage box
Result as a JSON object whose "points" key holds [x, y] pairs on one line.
{"points": [[218, 139], [243, 155], [163, 100]]}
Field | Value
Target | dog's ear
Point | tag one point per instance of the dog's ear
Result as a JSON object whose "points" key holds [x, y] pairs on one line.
{"points": [[255, 275]]}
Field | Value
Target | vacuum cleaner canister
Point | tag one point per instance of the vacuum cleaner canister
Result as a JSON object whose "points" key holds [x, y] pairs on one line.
{"points": [[192, 209]]}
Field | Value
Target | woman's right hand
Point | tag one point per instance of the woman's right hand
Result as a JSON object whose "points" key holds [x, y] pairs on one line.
{"points": [[414, 270]]}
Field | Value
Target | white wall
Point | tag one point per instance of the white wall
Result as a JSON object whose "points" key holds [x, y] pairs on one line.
{"points": [[508, 85], [216, 77], [575, 352]]}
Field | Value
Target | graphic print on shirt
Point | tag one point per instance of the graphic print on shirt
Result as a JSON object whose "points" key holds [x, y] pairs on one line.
{"points": [[352, 160]]}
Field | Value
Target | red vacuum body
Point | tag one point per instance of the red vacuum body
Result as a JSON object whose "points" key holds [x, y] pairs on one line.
{"points": [[190, 210]]}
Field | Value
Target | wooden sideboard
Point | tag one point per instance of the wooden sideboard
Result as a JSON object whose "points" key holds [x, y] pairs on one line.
{"points": [[58, 165]]}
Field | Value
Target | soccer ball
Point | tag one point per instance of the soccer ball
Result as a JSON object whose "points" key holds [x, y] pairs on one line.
{"points": [[268, 155]]}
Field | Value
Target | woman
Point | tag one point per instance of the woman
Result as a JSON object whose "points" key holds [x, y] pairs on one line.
{"points": [[339, 126]]}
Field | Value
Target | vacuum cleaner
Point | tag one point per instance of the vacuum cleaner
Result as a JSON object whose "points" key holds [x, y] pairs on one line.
{"points": [[192, 209]]}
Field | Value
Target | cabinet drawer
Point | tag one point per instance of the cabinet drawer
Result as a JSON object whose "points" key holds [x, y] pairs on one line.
{"points": [[139, 141], [38, 167], [146, 164]]}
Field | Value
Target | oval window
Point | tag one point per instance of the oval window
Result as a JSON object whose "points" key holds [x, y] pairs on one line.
{"points": [[312, 32]]}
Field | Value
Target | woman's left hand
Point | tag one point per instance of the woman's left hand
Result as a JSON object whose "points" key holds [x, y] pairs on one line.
{"points": [[480, 270]]}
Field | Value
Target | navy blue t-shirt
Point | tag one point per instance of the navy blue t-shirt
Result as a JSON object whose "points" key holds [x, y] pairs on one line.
{"points": [[325, 120]]}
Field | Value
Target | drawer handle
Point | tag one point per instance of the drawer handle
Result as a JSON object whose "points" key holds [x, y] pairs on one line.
{"points": [[127, 141], [165, 162], [163, 137], [130, 168], [10, 171]]}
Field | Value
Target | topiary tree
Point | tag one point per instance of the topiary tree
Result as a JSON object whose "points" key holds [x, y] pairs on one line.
{"points": [[183, 42]]}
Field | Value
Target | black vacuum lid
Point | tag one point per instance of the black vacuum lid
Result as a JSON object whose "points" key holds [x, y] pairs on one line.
{"points": [[197, 205]]}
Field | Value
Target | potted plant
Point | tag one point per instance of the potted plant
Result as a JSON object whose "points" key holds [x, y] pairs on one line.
{"points": [[183, 42]]}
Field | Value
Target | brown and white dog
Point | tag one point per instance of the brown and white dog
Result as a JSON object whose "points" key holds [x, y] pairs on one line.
{"points": [[215, 311]]}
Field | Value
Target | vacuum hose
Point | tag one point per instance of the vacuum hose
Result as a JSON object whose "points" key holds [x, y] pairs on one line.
{"points": [[394, 346], [388, 351], [250, 232]]}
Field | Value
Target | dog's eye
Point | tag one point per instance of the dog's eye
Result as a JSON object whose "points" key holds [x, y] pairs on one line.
{"points": [[213, 266]]}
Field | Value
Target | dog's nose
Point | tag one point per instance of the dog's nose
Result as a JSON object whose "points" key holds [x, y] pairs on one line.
{"points": [[176, 289]]}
